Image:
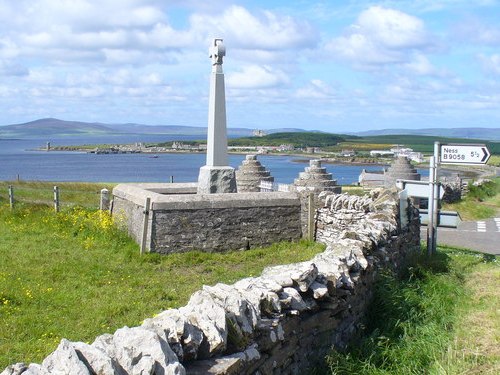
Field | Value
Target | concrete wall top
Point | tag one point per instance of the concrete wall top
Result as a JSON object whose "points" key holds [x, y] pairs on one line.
{"points": [[168, 199]]}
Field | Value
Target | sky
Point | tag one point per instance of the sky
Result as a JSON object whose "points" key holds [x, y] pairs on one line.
{"points": [[336, 66]]}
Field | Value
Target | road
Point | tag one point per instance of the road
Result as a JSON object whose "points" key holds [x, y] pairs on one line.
{"points": [[482, 235]]}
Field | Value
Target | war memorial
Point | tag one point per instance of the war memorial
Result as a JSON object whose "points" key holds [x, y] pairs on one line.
{"points": [[280, 322]]}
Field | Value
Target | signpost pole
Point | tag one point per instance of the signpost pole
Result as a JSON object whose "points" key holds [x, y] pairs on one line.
{"points": [[430, 225], [435, 195]]}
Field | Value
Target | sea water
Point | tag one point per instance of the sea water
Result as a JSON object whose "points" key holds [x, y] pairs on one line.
{"points": [[19, 158]]}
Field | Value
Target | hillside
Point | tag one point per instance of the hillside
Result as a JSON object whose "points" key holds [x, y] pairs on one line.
{"points": [[338, 142], [51, 127], [492, 134], [420, 143], [299, 139]]}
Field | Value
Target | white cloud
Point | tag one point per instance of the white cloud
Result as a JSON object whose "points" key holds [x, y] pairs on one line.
{"points": [[248, 31], [316, 89], [88, 15], [8, 68], [420, 65], [391, 28], [41, 77], [476, 31], [381, 36], [256, 76], [491, 64], [8, 48]]}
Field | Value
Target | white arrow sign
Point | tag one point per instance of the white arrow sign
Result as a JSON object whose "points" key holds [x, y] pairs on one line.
{"points": [[417, 189], [464, 154]]}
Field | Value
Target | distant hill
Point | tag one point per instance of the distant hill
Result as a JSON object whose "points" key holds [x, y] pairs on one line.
{"points": [[172, 130], [492, 134], [51, 127], [297, 139]]}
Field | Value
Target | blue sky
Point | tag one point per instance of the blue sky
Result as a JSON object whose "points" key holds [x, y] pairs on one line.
{"points": [[337, 66]]}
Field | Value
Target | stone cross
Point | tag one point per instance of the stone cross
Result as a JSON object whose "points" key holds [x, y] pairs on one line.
{"points": [[217, 51], [217, 133], [217, 176]]}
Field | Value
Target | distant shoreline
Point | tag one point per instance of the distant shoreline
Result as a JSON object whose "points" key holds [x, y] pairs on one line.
{"points": [[302, 157], [469, 172]]}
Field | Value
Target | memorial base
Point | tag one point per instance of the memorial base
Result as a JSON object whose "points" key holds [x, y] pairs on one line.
{"points": [[216, 180]]}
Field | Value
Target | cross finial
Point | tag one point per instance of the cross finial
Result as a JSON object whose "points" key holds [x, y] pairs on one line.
{"points": [[217, 51]]}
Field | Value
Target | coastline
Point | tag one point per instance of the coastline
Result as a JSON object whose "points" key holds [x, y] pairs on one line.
{"points": [[465, 171]]}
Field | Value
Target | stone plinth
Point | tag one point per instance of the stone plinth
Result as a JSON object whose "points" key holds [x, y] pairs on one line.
{"points": [[180, 220], [400, 169], [316, 179], [214, 180], [250, 173]]}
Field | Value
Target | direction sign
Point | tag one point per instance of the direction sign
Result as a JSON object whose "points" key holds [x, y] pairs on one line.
{"points": [[464, 154], [446, 219], [417, 189]]}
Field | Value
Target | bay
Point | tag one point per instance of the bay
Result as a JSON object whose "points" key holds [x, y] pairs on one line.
{"points": [[17, 157]]}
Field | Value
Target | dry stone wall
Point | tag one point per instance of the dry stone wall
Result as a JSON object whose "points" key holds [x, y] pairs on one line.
{"points": [[280, 322]]}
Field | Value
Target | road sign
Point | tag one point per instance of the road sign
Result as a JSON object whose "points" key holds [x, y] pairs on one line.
{"points": [[417, 189], [446, 219], [464, 154]]}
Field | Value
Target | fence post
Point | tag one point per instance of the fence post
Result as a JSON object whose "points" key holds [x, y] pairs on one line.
{"points": [[104, 202], [11, 196], [56, 198], [310, 217], [145, 223]]}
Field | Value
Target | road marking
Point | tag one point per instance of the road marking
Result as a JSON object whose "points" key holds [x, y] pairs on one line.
{"points": [[497, 222], [481, 226]]}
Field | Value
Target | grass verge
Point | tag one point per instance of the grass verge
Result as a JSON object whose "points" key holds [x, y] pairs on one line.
{"points": [[441, 316], [480, 203], [74, 275]]}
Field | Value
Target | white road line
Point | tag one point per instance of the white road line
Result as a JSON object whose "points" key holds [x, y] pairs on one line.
{"points": [[497, 222], [481, 226]]}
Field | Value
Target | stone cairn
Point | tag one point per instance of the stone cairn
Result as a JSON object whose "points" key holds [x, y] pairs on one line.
{"points": [[313, 180], [400, 169], [250, 173], [316, 179]]}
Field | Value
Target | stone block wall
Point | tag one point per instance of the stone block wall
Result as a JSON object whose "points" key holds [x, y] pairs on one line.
{"points": [[212, 222], [281, 322], [220, 229]]}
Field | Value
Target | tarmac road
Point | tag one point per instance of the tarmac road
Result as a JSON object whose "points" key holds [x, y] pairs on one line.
{"points": [[482, 235]]}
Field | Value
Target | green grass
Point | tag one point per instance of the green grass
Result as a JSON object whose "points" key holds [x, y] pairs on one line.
{"points": [[494, 160], [298, 139], [480, 203], [420, 321], [74, 275], [70, 193]]}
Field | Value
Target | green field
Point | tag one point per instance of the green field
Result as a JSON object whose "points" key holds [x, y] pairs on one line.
{"points": [[481, 202], [75, 275], [337, 142]]}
